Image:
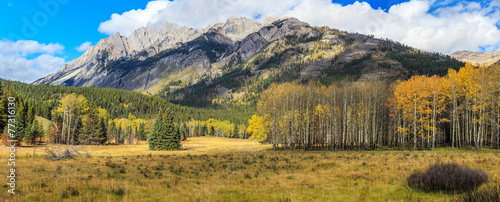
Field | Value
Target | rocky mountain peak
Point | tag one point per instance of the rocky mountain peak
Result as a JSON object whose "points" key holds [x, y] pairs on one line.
{"points": [[477, 58], [237, 28], [175, 48]]}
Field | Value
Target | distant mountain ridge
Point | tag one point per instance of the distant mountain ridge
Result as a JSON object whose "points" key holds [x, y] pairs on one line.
{"points": [[84, 71], [230, 63], [476, 58]]}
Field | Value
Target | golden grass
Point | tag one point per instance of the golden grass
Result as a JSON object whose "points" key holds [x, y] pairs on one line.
{"points": [[220, 169]]}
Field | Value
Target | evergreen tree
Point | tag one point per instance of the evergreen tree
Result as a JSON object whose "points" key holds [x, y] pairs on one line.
{"points": [[90, 128], [32, 132], [118, 135], [164, 135], [24, 112], [142, 132], [112, 131], [172, 135], [20, 119], [30, 113], [204, 131], [94, 130], [183, 132], [155, 132], [104, 132], [236, 131]]}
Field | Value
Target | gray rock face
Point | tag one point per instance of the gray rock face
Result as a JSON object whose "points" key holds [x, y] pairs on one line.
{"points": [[153, 56], [237, 28]]}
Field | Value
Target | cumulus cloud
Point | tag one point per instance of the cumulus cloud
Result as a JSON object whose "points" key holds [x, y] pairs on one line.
{"points": [[425, 24], [85, 46], [27, 60], [129, 21]]}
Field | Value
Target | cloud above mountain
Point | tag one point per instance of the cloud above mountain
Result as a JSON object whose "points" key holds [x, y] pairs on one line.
{"points": [[441, 26], [84, 46], [27, 60]]}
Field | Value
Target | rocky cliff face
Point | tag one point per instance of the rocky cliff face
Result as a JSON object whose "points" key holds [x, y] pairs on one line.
{"points": [[475, 58]]}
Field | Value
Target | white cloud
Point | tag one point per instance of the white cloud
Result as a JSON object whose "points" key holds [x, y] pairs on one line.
{"points": [[85, 46], [27, 61], [425, 24], [129, 21]]}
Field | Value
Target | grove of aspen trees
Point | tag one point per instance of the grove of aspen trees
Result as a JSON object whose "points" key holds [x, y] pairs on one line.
{"points": [[461, 110]]}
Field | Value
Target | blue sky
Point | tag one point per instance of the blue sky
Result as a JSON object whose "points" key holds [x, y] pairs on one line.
{"points": [[38, 37], [72, 24]]}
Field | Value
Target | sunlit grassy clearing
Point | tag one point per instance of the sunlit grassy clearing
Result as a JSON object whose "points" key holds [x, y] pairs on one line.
{"points": [[221, 169]]}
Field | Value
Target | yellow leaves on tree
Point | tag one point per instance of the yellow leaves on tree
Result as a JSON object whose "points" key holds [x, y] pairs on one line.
{"points": [[257, 126], [72, 103]]}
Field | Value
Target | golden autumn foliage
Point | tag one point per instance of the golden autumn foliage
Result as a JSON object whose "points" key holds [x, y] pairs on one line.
{"points": [[257, 126], [460, 109], [467, 96]]}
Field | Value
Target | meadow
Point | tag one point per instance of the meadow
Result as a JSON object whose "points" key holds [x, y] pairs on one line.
{"points": [[224, 169]]}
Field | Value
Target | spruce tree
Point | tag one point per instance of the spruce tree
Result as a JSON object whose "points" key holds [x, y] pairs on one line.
{"points": [[142, 132], [171, 133], [32, 132], [236, 132], [92, 129], [164, 135], [30, 114], [104, 131], [153, 139], [20, 119], [118, 137]]}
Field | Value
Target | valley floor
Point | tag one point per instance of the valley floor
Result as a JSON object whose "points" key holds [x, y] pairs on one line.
{"points": [[221, 169]]}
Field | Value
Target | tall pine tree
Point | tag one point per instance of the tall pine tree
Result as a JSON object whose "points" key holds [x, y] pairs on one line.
{"points": [[164, 135], [94, 130], [142, 132]]}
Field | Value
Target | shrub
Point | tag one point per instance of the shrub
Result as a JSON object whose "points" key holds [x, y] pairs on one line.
{"points": [[490, 193], [447, 177], [118, 192]]}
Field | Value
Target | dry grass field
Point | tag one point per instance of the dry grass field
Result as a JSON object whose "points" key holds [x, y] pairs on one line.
{"points": [[221, 169]]}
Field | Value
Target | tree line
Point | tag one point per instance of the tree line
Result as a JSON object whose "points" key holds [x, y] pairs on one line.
{"points": [[214, 127], [76, 120], [118, 103], [461, 109]]}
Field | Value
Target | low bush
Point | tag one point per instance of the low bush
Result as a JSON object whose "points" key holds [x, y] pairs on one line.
{"points": [[447, 177]]}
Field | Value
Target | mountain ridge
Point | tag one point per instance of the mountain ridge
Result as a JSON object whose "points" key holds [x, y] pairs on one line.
{"points": [[143, 42], [232, 62], [477, 58]]}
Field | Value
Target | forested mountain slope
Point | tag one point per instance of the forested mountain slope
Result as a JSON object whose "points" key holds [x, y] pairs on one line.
{"points": [[118, 103]]}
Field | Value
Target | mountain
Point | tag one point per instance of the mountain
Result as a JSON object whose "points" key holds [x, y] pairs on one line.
{"points": [[476, 58], [230, 63], [111, 61]]}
